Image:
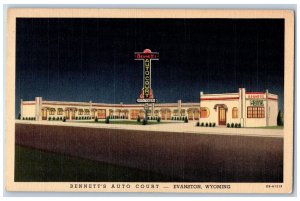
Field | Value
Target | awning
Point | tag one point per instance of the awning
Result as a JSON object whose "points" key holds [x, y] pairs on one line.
{"points": [[221, 105]]}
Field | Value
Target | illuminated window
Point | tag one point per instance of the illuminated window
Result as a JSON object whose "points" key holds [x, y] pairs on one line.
{"points": [[86, 111], [52, 112], [204, 112], [234, 113], [255, 112], [59, 111]]}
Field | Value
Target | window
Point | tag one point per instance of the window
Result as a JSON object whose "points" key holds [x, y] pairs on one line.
{"points": [[52, 112], [86, 112], [255, 112], [59, 111], [235, 113], [204, 112], [80, 112], [134, 114]]}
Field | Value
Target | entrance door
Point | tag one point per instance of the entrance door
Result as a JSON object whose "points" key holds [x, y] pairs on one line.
{"points": [[44, 114], [168, 115], [222, 116], [73, 114], [68, 114]]}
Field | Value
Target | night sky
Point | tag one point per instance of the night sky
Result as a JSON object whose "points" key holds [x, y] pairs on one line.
{"points": [[93, 59]]}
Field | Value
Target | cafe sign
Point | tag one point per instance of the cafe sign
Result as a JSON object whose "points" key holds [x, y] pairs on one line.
{"points": [[256, 102]]}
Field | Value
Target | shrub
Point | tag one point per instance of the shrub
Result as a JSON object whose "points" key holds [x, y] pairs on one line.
{"points": [[138, 119], [57, 118], [198, 123], [158, 119], [96, 119], [228, 125], [214, 124], [145, 121], [107, 120], [61, 118], [239, 125], [49, 118], [236, 125], [232, 125], [202, 124], [76, 118], [64, 119], [23, 118], [279, 119], [206, 124], [186, 120], [19, 116], [210, 124], [53, 118]]}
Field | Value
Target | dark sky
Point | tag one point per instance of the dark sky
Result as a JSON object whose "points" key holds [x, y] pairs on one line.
{"points": [[93, 59]]}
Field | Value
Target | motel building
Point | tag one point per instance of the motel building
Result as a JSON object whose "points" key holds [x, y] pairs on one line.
{"points": [[249, 109]]}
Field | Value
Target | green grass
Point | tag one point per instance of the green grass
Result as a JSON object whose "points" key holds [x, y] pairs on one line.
{"points": [[128, 122], [32, 165], [270, 127]]}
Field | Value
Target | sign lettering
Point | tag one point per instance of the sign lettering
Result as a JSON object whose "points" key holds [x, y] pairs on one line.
{"points": [[146, 56], [257, 102]]}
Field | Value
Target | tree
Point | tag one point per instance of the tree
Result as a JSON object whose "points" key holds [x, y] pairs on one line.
{"points": [[145, 121], [139, 119], [158, 119], [107, 120], [186, 120], [19, 116], [96, 119], [279, 119]]}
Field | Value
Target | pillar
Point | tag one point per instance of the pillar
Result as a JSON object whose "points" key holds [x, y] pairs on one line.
{"points": [[267, 108], [38, 108], [21, 109]]}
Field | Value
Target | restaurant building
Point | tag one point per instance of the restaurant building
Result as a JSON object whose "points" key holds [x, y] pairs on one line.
{"points": [[250, 109]]}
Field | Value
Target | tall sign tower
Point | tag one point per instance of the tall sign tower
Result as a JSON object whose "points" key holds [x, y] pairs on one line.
{"points": [[147, 56]]}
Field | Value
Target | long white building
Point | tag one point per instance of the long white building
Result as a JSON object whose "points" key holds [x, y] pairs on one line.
{"points": [[248, 109]]}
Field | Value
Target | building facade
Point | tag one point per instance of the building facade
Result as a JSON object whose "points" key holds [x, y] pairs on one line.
{"points": [[248, 109], [40, 110]]}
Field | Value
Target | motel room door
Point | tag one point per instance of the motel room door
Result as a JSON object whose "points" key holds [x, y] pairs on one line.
{"points": [[44, 114], [222, 116]]}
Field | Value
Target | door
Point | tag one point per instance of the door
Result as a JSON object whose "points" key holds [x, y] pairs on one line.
{"points": [[168, 115], [196, 115], [67, 114], [163, 115], [73, 114], [190, 115], [222, 116], [44, 114]]}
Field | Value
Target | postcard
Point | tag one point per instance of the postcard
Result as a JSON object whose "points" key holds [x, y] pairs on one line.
{"points": [[149, 100]]}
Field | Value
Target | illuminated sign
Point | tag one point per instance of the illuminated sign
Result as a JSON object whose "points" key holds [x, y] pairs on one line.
{"points": [[255, 96], [256, 102], [147, 92]]}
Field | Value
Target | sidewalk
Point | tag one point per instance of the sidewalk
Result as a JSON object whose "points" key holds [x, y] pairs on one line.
{"points": [[171, 127]]}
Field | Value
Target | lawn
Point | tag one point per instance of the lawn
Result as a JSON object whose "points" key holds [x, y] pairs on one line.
{"points": [[33, 165], [270, 127], [128, 122]]}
